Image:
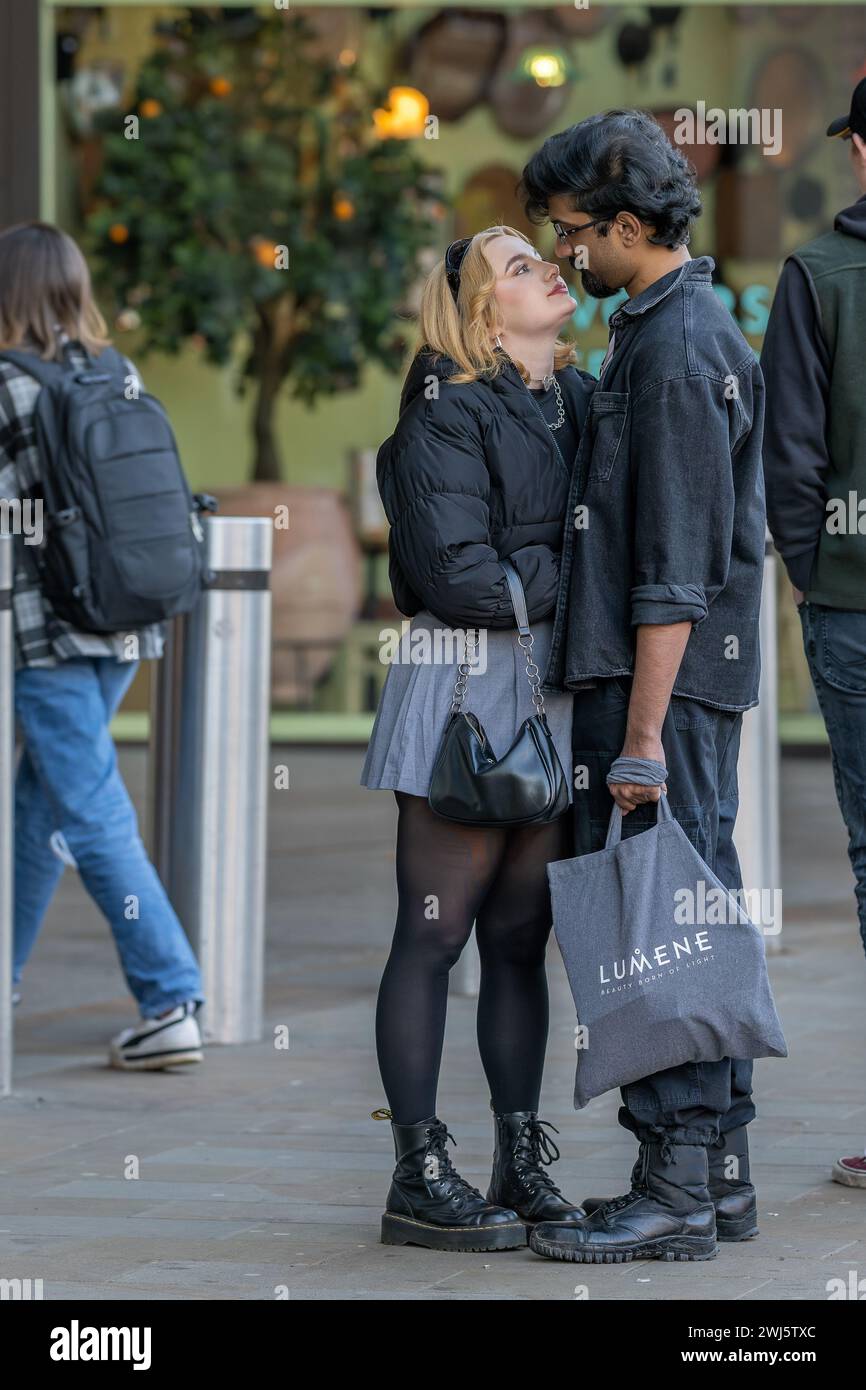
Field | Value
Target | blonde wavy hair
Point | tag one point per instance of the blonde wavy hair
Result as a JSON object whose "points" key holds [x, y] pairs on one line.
{"points": [[45, 284], [463, 330]]}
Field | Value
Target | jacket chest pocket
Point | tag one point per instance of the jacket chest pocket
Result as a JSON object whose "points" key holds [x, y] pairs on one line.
{"points": [[608, 414]]}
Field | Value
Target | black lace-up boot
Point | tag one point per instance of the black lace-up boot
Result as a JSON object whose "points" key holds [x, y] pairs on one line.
{"points": [[667, 1215], [430, 1204], [734, 1198], [591, 1204], [523, 1151]]}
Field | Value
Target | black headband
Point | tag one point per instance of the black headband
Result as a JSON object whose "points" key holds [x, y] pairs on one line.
{"points": [[453, 261]]}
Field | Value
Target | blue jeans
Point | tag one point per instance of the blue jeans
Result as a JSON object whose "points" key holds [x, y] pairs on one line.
{"points": [[835, 643], [68, 781], [696, 1102]]}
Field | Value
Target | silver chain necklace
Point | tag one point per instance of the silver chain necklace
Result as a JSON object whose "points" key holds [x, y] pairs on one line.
{"points": [[546, 382]]}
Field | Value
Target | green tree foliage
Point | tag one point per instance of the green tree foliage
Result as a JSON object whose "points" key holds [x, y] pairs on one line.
{"points": [[258, 204]]}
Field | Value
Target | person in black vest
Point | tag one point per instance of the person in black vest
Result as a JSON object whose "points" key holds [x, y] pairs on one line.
{"points": [[815, 469], [477, 469], [71, 804]]}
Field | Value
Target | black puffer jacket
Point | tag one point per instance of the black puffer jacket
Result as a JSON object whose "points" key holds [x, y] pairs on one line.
{"points": [[470, 475]]}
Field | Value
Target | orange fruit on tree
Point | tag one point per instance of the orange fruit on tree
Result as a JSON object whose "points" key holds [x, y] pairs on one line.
{"points": [[118, 233], [265, 253], [150, 108], [220, 86]]}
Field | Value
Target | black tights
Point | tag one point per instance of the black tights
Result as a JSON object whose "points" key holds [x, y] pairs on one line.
{"points": [[449, 876]]}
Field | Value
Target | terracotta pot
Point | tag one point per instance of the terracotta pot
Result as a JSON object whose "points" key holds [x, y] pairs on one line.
{"points": [[316, 580]]}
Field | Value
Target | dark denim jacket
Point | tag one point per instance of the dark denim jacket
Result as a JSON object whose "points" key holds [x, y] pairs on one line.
{"points": [[668, 498]]}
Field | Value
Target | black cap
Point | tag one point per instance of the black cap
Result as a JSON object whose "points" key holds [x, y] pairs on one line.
{"points": [[855, 121]]}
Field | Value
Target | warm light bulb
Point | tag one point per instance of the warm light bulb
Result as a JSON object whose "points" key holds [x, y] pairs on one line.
{"points": [[547, 69], [405, 115]]}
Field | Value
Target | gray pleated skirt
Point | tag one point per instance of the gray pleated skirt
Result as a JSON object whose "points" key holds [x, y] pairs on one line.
{"points": [[416, 701]]}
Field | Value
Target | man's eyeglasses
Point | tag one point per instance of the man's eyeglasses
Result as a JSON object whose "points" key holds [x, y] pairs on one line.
{"points": [[563, 233]]}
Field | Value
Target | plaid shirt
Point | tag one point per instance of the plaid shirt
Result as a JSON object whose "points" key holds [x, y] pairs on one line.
{"points": [[41, 637]]}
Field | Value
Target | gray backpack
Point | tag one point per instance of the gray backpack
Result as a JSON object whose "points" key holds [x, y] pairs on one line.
{"points": [[123, 545]]}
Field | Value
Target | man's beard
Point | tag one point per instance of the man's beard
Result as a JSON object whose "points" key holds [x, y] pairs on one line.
{"points": [[597, 288]]}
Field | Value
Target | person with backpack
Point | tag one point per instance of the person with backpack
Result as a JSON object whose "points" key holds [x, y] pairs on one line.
{"points": [[112, 547]]}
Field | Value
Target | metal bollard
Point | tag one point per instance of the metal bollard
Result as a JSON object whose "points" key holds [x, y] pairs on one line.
{"points": [[757, 831], [7, 809], [209, 754]]}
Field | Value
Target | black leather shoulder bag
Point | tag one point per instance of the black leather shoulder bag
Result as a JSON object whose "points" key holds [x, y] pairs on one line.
{"points": [[527, 785]]}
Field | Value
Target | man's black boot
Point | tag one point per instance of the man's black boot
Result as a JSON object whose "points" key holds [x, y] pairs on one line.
{"points": [[523, 1151], [430, 1204], [591, 1204], [667, 1215], [734, 1199], [733, 1196]]}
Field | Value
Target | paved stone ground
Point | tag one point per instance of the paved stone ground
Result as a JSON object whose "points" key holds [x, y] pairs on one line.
{"points": [[262, 1169]]}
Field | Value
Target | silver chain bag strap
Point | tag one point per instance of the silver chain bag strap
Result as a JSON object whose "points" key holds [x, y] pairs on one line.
{"points": [[527, 785]]}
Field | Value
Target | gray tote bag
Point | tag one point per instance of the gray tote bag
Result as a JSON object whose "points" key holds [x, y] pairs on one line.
{"points": [[663, 962]]}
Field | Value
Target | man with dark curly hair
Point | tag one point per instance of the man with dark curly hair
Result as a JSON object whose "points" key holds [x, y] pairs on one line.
{"points": [[656, 624]]}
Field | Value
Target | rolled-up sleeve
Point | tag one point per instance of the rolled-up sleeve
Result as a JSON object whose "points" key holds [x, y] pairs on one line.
{"points": [[668, 603], [684, 498]]}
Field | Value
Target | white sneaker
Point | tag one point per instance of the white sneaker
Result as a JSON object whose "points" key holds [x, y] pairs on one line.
{"points": [[157, 1043]]}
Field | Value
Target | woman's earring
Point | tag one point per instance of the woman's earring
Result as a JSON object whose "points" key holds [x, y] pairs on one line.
{"points": [[498, 341]]}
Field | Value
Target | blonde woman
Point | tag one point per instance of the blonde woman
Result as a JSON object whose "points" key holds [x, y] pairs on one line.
{"points": [[477, 470]]}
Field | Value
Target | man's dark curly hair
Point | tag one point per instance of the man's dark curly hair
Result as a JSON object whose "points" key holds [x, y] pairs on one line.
{"points": [[617, 161]]}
